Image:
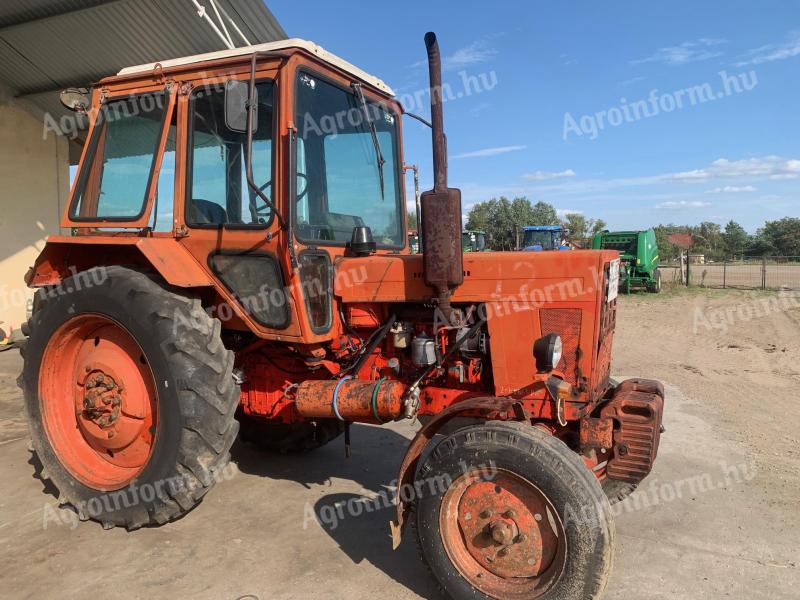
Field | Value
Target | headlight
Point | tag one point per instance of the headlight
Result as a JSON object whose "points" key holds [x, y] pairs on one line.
{"points": [[547, 352]]}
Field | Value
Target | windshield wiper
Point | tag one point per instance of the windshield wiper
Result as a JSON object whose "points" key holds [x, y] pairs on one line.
{"points": [[374, 132]]}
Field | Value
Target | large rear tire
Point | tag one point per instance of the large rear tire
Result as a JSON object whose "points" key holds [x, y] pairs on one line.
{"points": [[509, 512], [129, 397]]}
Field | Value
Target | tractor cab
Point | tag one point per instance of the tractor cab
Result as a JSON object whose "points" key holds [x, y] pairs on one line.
{"points": [[537, 238], [473, 240]]}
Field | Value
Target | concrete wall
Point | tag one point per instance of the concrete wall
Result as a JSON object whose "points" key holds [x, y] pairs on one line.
{"points": [[34, 184]]}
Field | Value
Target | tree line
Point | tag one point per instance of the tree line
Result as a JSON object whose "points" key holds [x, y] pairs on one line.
{"points": [[775, 238], [502, 220]]}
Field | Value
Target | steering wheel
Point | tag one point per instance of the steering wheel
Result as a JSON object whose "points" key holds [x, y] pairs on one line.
{"points": [[260, 210]]}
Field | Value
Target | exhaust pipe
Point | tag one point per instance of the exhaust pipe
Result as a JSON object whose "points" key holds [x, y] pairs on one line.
{"points": [[437, 114], [442, 258]]}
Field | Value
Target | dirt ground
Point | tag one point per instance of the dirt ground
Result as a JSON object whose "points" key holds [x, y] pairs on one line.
{"points": [[718, 517]]}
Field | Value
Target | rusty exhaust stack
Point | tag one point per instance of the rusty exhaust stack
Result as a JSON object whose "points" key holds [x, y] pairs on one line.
{"points": [[442, 258]]}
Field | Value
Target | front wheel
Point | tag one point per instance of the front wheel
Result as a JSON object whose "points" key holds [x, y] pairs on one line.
{"points": [[655, 286], [506, 511]]}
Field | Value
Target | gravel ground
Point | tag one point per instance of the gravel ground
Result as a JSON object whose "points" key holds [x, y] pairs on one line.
{"points": [[717, 518]]}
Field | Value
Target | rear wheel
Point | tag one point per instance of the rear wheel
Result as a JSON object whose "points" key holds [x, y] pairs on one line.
{"points": [[509, 512], [129, 397], [289, 439]]}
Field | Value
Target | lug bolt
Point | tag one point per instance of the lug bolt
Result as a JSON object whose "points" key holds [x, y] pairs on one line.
{"points": [[486, 514], [88, 369], [510, 514], [110, 434], [503, 552], [521, 538]]}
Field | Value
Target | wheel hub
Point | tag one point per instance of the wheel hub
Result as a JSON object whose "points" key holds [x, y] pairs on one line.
{"points": [[101, 399], [498, 531], [103, 426]]}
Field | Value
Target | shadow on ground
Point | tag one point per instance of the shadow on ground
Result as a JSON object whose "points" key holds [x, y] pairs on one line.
{"points": [[362, 534]]}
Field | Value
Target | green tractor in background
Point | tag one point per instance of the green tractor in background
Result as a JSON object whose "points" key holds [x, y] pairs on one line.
{"points": [[638, 255], [473, 240]]}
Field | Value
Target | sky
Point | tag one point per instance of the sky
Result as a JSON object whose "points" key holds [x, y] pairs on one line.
{"points": [[634, 112]]}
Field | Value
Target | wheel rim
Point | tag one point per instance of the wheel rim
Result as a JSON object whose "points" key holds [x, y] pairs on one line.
{"points": [[502, 534], [98, 401]]}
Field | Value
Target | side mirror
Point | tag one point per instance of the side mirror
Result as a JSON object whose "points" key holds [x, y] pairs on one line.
{"points": [[236, 106], [76, 99]]}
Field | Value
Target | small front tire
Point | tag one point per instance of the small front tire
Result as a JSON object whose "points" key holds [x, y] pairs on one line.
{"points": [[508, 511]]}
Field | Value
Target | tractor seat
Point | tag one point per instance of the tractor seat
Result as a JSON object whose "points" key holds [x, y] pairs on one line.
{"points": [[204, 212]]}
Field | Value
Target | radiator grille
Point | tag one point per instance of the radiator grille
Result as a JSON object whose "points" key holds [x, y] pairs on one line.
{"points": [[565, 322]]}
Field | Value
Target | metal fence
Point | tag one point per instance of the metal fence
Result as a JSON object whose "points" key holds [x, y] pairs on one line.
{"points": [[759, 273]]}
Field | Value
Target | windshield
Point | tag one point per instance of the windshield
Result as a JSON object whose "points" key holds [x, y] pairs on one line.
{"points": [[546, 239], [338, 173]]}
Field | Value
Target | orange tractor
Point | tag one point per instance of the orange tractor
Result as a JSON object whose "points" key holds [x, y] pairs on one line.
{"points": [[239, 265]]}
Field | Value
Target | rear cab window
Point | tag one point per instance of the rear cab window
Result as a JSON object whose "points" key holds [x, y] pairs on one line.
{"points": [[115, 179]]}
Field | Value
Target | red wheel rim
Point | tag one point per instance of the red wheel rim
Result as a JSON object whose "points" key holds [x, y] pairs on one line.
{"points": [[502, 534], [98, 401]]}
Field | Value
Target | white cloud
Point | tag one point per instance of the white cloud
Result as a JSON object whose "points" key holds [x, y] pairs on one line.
{"points": [[563, 212], [702, 49], [678, 204], [756, 168], [477, 52], [771, 52], [488, 152], [732, 189], [545, 175], [631, 81]]}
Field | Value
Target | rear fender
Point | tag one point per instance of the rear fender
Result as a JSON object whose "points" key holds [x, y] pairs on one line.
{"points": [[65, 256]]}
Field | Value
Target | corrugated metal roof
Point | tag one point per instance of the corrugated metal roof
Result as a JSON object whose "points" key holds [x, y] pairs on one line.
{"points": [[47, 45]]}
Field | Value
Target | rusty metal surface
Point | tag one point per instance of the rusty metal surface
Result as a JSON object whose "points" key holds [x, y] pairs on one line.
{"points": [[496, 530], [493, 407], [637, 407], [597, 433], [351, 399]]}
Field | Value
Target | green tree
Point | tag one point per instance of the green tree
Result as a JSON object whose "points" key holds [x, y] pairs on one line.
{"points": [[412, 220], [596, 226], [783, 235], [543, 214], [709, 236], [735, 239], [577, 225], [478, 216], [503, 219]]}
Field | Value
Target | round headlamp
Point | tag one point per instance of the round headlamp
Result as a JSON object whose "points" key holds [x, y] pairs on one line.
{"points": [[547, 352]]}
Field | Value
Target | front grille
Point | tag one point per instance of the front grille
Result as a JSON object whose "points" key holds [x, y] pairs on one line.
{"points": [[608, 322], [565, 322]]}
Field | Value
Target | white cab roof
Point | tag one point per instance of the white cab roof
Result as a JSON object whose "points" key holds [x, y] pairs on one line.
{"points": [[268, 47]]}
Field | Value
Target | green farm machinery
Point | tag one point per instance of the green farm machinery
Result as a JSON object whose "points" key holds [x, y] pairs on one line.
{"points": [[638, 256]]}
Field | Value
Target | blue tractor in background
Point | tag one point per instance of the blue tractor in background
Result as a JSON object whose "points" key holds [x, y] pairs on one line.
{"points": [[544, 237]]}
